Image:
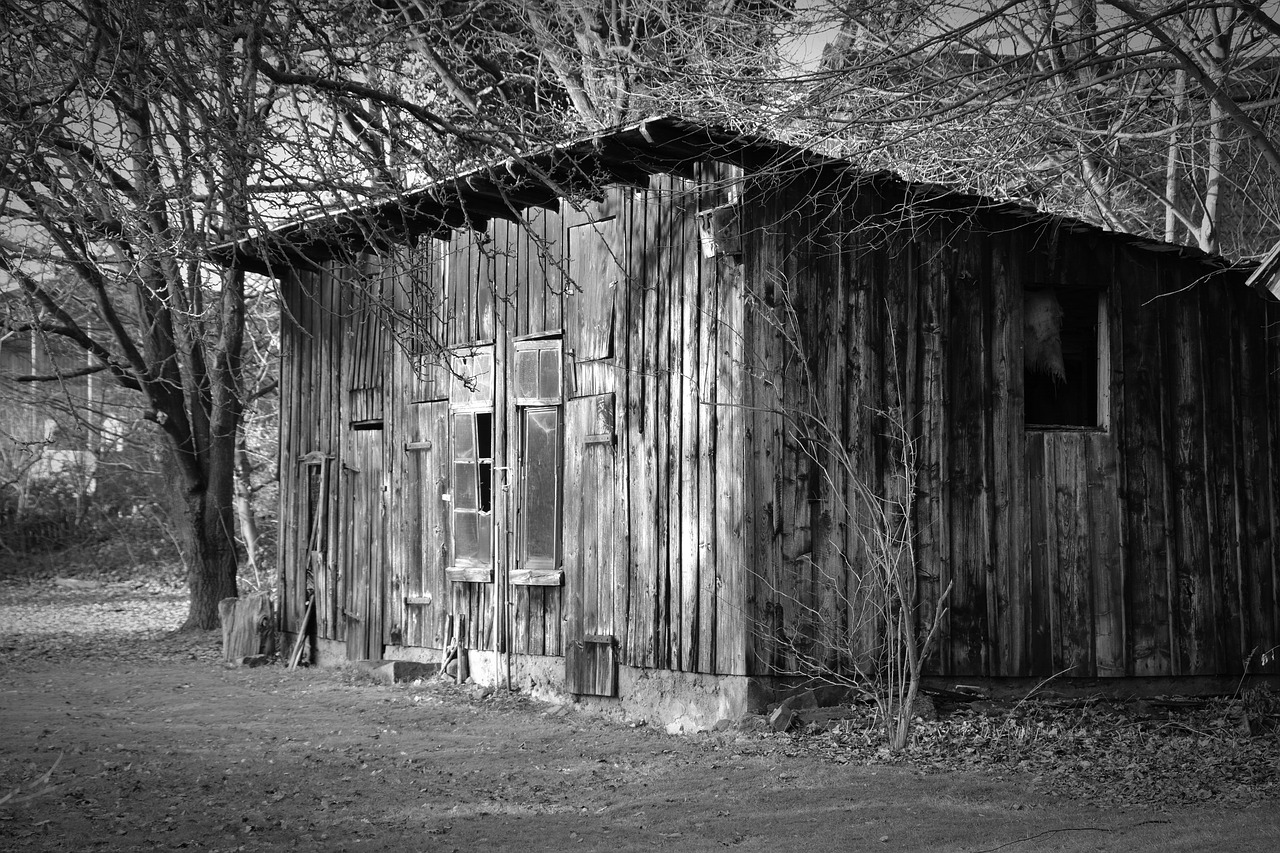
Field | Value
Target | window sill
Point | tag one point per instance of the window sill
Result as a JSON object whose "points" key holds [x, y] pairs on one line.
{"points": [[537, 577], [469, 574], [1063, 428]]}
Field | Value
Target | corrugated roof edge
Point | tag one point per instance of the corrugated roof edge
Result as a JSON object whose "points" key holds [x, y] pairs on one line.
{"points": [[626, 154]]}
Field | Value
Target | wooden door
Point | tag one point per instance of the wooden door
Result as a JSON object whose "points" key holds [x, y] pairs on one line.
{"points": [[423, 535], [595, 592], [366, 550]]}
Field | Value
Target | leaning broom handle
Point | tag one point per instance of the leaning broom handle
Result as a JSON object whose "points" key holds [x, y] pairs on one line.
{"points": [[296, 655]]}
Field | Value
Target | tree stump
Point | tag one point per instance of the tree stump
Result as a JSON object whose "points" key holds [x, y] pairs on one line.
{"points": [[247, 627]]}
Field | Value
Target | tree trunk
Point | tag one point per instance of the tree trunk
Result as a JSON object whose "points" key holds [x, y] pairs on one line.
{"points": [[1172, 161], [1207, 238], [244, 505], [208, 526]]}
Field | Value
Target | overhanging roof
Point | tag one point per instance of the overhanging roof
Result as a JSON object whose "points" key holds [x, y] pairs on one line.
{"points": [[1267, 275], [626, 155]]}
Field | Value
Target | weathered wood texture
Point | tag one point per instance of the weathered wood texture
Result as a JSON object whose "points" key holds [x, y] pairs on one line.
{"points": [[724, 416], [1142, 546], [247, 626], [648, 558]]}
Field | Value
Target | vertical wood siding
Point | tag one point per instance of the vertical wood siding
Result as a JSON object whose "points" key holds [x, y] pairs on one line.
{"points": [[716, 533], [1136, 548]]}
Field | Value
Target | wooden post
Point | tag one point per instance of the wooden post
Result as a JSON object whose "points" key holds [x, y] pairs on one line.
{"points": [[461, 644]]}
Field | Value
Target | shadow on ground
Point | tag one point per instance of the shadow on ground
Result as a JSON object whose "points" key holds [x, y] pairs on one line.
{"points": [[157, 747]]}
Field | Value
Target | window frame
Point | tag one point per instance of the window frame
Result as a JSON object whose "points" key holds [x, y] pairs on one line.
{"points": [[1100, 362], [547, 398], [546, 351], [540, 570], [467, 569], [473, 404]]}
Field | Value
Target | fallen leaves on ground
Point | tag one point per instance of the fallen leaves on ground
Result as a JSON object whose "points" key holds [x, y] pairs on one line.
{"points": [[1161, 752], [43, 621]]}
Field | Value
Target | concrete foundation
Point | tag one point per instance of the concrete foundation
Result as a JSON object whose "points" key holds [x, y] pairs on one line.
{"points": [[678, 701], [323, 653], [684, 702]]}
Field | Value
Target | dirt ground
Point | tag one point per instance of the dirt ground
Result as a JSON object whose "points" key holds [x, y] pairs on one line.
{"points": [[154, 746]]}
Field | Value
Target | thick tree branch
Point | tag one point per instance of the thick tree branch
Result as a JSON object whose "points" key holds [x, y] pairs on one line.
{"points": [[59, 375], [1151, 23]]}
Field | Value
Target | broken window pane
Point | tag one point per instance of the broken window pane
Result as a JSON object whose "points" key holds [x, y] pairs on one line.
{"points": [[472, 488]]}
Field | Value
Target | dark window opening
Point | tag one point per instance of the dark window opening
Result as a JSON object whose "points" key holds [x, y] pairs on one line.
{"points": [[484, 450], [486, 487], [1064, 334]]}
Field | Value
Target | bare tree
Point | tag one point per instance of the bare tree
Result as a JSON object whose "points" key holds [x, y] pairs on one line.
{"points": [[1158, 119], [136, 136], [586, 66], [126, 137]]}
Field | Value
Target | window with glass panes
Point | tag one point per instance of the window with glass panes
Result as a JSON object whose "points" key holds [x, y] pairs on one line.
{"points": [[538, 393], [471, 464]]}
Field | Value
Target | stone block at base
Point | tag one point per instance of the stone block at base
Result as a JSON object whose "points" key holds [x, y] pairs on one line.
{"points": [[681, 702], [392, 671]]}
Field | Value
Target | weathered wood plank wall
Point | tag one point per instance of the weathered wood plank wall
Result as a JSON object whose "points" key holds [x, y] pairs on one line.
{"points": [[1198, 477], [715, 532], [641, 312], [1144, 546], [312, 402]]}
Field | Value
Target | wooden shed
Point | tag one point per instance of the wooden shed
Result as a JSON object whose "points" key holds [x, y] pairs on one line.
{"points": [[613, 407]]}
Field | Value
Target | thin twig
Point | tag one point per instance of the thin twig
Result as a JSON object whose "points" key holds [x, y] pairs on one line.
{"points": [[38, 788], [1066, 829]]}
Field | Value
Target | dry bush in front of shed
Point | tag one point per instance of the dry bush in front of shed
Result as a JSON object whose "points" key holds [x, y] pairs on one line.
{"points": [[850, 612]]}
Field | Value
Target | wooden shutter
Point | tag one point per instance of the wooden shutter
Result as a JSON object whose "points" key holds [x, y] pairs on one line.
{"points": [[424, 534], [596, 273], [368, 338], [423, 303], [596, 590]]}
